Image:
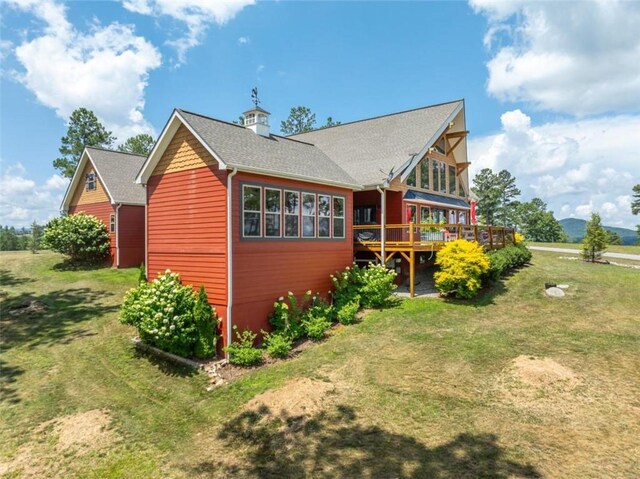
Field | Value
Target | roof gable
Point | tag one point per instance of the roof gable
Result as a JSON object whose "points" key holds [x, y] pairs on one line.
{"points": [[376, 150]]}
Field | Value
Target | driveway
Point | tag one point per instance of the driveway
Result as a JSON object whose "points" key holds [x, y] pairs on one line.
{"points": [[632, 257]]}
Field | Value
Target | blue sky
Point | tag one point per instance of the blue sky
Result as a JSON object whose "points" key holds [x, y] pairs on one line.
{"points": [[551, 95]]}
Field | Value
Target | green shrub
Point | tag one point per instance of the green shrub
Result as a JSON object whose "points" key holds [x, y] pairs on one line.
{"points": [[205, 319], [142, 274], [287, 318], [347, 313], [505, 259], [277, 345], [242, 352], [84, 238], [462, 264], [320, 307], [315, 327], [347, 285], [162, 312], [377, 286]]}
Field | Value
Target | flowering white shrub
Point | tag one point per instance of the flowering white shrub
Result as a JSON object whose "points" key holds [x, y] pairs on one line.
{"points": [[163, 313]]}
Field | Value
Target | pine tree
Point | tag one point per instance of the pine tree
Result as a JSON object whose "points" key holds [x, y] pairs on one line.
{"points": [[36, 237], [595, 239], [84, 130], [141, 144], [300, 120], [485, 188]]}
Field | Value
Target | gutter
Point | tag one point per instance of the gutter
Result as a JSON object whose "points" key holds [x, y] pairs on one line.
{"points": [[118, 234], [229, 255]]}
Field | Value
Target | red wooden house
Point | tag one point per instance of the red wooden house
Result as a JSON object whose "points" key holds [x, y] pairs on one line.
{"points": [[252, 215], [103, 185]]}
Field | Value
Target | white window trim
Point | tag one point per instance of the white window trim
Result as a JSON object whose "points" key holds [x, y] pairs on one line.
{"points": [[329, 216], [244, 210], [87, 182], [112, 223], [280, 213], [285, 214], [315, 214], [334, 217]]}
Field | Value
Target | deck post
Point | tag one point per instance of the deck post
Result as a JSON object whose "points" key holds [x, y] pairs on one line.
{"points": [[475, 232], [383, 222], [490, 238], [412, 273], [411, 234]]}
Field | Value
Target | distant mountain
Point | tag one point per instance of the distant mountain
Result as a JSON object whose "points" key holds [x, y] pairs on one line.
{"points": [[575, 230]]}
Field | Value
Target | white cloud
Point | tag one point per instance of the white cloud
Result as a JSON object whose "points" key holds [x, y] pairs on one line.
{"points": [[574, 57], [105, 70], [22, 200], [576, 167], [244, 40], [197, 15]]}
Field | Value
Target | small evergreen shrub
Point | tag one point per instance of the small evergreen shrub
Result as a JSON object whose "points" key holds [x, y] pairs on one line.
{"points": [[142, 274], [278, 345], [84, 238], [505, 259], [347, 313], [162, 312], [377, 285], [242, 352], [462, 264], [206, 324]]}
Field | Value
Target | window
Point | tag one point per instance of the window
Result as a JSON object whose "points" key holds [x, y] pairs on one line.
{"points": [[439, 215], [272, 212], [411, 213], [439, 176], [324, 216], [364, 215], [424, 174], [291, 214], [112, 223], [251, 210], [462, 217], [452, 179], [424, 214], [91, 181], [411, 179], [338, 217], [250, 119], [308, 215]]}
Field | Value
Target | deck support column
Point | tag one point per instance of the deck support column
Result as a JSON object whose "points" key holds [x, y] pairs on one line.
{"points": [[383, 222], [412, 273]]}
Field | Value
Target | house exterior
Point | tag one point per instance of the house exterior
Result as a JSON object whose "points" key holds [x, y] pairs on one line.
{"points": [[103, 185], [252, 215]]}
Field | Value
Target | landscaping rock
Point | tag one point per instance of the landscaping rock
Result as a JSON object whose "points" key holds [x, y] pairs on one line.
{"points": [[563, 286], [554, 292], [30, 307]]}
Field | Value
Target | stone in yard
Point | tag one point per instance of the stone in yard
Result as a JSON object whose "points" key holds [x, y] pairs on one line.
{"points": [[563, 286], [554, 292]]}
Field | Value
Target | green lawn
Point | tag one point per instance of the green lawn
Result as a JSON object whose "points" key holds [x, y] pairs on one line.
{"points": [[430, 388], [629, 249]]}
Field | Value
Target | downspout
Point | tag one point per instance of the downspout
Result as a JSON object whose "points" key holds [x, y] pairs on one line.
{"points": [[229, 254], [118, 235], [383, 222], [146, 232]]}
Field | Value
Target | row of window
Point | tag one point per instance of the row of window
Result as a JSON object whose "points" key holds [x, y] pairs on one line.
{"points": [[435, 175], [435, 215], [276, 213]]}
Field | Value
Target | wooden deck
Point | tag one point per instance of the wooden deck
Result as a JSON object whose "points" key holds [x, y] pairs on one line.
{"points": [[406, 240]]}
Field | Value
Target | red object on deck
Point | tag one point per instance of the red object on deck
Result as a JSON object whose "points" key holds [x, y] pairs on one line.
{"points": [[474, 220]]}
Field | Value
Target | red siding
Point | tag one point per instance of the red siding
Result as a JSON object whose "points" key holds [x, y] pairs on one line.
{"points": [[394, 208], [186, 229], [372, 197], [264, 270], [103, 212], [131, 235]]}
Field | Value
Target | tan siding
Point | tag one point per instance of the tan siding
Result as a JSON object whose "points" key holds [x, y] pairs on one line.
{"points": [[83, 197], [184, 152]]}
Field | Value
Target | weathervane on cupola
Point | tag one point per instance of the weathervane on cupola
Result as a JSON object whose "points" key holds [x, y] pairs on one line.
{"points": [[257, 119]]}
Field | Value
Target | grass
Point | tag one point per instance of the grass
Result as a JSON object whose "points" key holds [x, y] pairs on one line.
{"points": [[628, 249], [423, 389]]}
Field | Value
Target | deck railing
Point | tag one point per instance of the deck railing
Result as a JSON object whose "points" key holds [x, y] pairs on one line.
{"points": [[421, 234]]}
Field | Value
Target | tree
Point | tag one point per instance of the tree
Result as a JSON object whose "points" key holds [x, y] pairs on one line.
{"points": [[613, 237], [536, 223], [141, 144], [300, 120], [635, 206], [485, 188], [595, 239], [508, 192], [36, 237], [331, 122], [84, 130]]}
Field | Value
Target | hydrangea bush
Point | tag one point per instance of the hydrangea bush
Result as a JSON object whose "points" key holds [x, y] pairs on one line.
{"points": [[84, 238], [170, 316]]}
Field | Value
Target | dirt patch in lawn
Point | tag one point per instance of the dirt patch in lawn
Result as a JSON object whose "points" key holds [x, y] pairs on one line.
{"points": [[72, 436], [301, 396], [543, 373]]}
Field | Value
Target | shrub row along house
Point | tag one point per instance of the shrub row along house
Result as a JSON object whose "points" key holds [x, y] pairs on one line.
{"points": [[252, 215]]}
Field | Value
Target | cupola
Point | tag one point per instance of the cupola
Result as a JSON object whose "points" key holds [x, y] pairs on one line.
{"points": [[256, 118]]}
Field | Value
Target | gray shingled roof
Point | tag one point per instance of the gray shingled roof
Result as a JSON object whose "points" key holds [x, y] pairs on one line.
{"points": [[240, 147], [368, 149], [118, 171]]}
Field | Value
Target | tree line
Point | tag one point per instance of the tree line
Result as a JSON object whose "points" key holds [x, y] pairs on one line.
{"points": [[12, 239]]}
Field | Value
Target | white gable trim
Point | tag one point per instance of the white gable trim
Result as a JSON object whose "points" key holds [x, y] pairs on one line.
{"points": [[163, 142], [413, 162], [76, 179]]}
